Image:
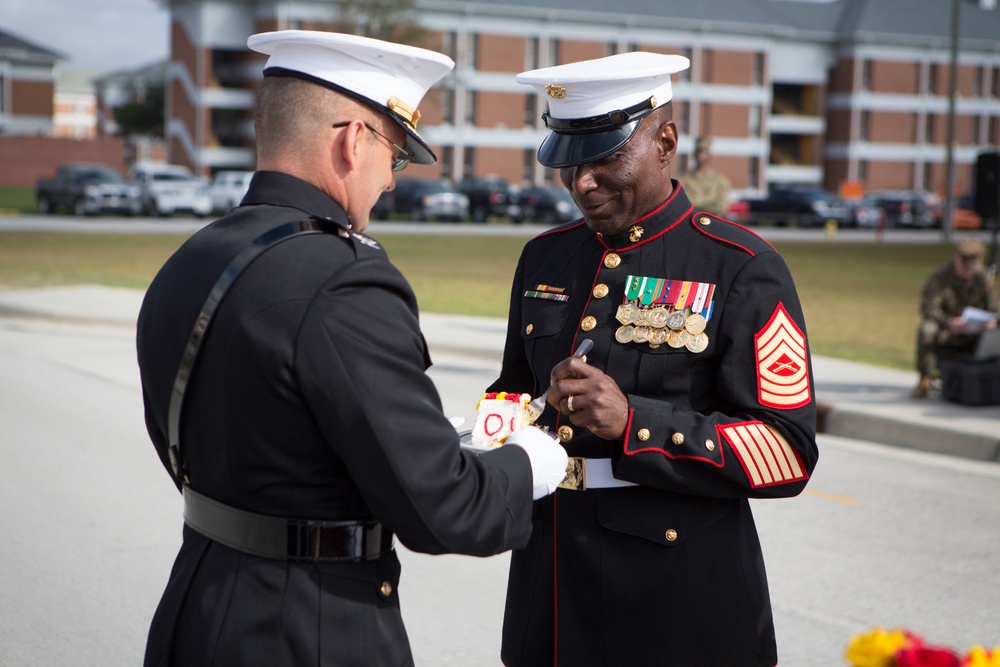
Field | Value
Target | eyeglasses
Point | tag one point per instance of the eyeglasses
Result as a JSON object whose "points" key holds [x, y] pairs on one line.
{"points": [[400, 158]]}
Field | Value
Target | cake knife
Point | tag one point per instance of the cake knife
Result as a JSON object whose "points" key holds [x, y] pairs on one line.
{"points": [[537, 406]]}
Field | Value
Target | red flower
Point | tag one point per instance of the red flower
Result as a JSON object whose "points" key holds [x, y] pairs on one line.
{"points": [[926, 656]]}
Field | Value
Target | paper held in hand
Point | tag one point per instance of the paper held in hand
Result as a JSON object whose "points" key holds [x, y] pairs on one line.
{"points": [[976, 319]]}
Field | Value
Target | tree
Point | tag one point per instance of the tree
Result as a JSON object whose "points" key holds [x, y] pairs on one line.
{"points": [[389, 20], [143, 116]]}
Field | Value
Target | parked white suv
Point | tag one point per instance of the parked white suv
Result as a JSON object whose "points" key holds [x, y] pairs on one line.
{"points": [[227, 189], [169, 188]]}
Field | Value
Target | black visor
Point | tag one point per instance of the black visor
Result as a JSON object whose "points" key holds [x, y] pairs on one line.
{"points": [[568, 150], [575, 141]]}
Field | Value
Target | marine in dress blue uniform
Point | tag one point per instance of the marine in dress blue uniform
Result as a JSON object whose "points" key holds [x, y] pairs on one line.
{"points": [[697, 395], [308, 407]]}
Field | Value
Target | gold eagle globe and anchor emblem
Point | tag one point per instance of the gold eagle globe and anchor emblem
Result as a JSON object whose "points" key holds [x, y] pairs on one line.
{"points": [[555, 91]]}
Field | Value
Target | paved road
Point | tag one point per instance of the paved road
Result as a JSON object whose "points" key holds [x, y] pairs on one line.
{"points": [[91, 523], [187, 226]]}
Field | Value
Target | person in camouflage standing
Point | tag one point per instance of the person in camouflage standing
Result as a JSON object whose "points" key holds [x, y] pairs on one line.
{"points": [[961, 282], [707, 189]]}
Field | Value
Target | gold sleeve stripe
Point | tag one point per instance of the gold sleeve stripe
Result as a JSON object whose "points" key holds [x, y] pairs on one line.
{"points": [[766, 456]]}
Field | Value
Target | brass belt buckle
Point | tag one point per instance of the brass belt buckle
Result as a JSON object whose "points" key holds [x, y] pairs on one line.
{"points": [[576, 474]]}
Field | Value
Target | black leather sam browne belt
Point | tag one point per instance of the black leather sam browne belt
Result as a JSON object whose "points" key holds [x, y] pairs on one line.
{"points": [[259, 534]]}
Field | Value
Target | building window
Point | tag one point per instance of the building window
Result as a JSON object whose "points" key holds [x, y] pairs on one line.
{"points": [[611, 48], [995, 84], [977, 84], [929, 129], [530, 115], [865, 126], [753, 177], [474, 51], [754, 121], [470, 108], [688, 53], [866, 76], [449, 44], [758, 69], [469, 162], [531, 54], [991, 138], [554, 52], [448, 106], [863, 171], [529, 165], [447, 160], [932, 79]]}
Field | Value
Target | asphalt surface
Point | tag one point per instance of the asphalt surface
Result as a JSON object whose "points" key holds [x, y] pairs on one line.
{"points": [[856, 400]]}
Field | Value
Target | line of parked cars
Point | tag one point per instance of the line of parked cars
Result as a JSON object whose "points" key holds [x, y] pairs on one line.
{"points": [[475, 199], [888, 209], [151, 188]]}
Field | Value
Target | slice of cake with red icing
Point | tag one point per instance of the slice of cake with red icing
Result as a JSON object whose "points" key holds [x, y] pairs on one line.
{"points": [[498, 415]]}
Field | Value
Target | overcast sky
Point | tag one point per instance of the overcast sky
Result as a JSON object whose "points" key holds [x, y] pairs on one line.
{"points": [[105, 34]]}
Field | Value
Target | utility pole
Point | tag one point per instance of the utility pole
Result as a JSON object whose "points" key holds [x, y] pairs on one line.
{"points": [[949, 208]]}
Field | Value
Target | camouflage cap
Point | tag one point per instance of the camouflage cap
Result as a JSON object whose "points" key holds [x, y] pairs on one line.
{"points": [[703, 144], [972, 251]]}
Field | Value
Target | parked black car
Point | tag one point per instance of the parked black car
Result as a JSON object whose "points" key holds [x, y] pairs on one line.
{"points": [[806, 207], [909, 208], [87, 189], [429, 199], [488, 195], [550, 204]]}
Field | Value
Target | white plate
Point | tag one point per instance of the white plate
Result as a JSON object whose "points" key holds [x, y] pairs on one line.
{"points": [[465, 442]]}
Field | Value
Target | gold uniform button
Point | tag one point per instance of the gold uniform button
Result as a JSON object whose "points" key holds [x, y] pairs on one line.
{"points": [[600, 291], [588, 323], [704, 220], [565, 433], [709, 445], [612, 260], [528, 329], [677, 438], [385, 589], [643, 434], [671, 535]]}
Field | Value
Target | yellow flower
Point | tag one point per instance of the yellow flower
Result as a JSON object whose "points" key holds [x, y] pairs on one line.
{"points": [[979, 656], [876, 648]]}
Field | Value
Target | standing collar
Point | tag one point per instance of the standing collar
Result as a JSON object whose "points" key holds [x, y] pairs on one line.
{"points": [[279, 189], [653, 224]]}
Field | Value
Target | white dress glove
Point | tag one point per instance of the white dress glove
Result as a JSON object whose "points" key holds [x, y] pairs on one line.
{"points": [[548, 459]]}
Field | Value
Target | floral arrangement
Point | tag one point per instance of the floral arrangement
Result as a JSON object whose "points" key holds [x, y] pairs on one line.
{"points": [[901, 648]]}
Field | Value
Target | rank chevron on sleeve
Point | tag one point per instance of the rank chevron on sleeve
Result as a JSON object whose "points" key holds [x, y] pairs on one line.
{"points": [[782, 369]]}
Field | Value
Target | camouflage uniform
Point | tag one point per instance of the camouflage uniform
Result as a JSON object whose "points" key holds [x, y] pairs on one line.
{"points": [[945, 296], [708, 190]]}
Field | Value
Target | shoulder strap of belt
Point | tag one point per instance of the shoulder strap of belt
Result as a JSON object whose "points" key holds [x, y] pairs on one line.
{"points": [[236, 267]]}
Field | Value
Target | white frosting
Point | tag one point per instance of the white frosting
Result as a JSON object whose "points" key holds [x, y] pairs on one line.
{"points": [[498, 418]]}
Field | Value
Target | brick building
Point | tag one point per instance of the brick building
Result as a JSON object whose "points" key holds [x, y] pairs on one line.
{"points": [[27, 86], [794, 91]]}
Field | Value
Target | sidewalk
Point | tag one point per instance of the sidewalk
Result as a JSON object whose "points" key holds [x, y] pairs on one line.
{"points": [[856, 400]]}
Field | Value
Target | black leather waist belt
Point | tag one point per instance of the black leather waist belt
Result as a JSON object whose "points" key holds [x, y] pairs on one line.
{"points": [[285, 539]]}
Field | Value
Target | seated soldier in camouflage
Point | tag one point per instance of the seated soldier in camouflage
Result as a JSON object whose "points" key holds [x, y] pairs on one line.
{"points": [[961, 282]]}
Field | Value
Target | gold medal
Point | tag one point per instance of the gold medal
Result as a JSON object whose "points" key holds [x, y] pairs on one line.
{"points": [[624, 334], [658, 337], [658, 318], [695, 324], [641, 334], [676, 320], [640, 317], [625, 313], [678, 339], [697, 343]]}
